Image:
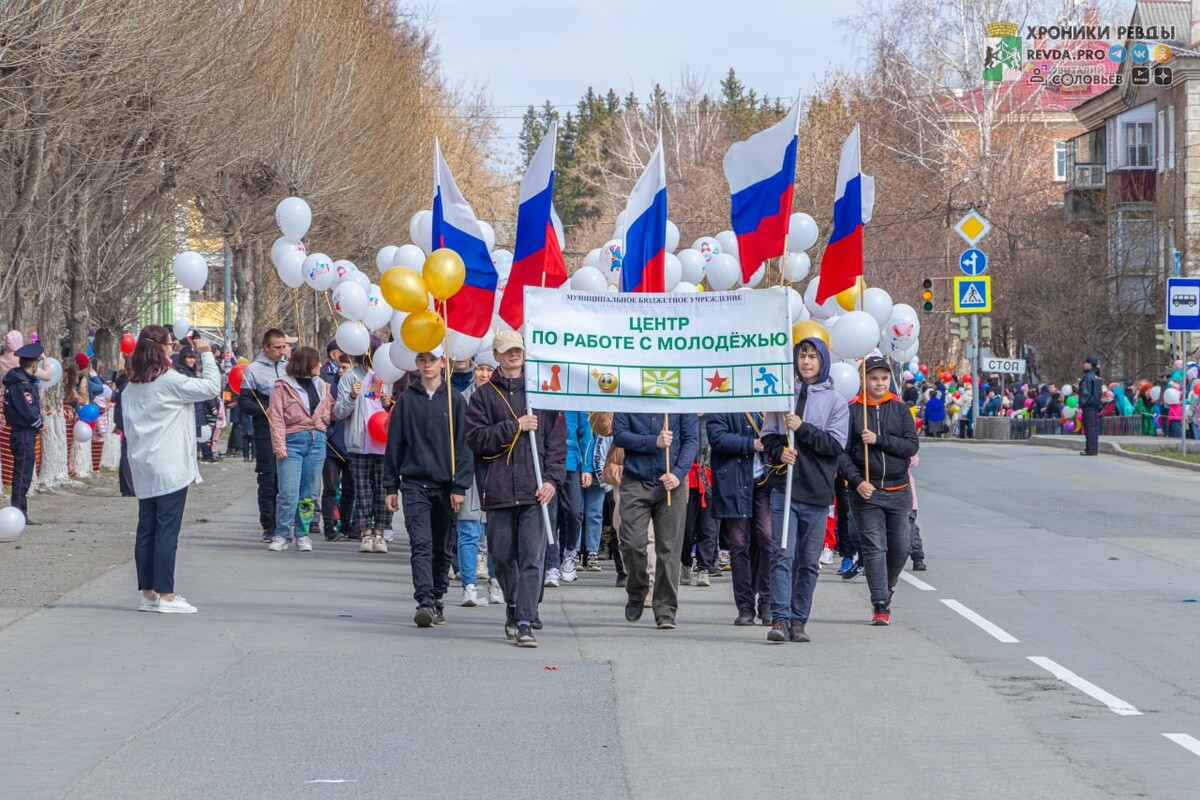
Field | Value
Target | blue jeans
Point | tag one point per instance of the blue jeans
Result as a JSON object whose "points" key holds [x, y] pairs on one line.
{"points": [[469, 532], [298, 475], [794, 570], [593, 517]]}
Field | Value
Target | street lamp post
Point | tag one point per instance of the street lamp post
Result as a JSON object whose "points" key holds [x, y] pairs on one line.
{"points": [[949, 263]]}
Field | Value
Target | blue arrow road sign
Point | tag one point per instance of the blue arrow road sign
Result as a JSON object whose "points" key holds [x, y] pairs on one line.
{"points": [[1183, 304], [973, 262]]}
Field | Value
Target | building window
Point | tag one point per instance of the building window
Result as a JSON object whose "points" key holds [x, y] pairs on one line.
{"points": [[1137, 144], [1133, 253], [1060, 161], [1160, 144], [1171, 137]]}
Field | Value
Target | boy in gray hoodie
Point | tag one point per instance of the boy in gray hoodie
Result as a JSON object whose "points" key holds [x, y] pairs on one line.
{"points": [[819, 420]]}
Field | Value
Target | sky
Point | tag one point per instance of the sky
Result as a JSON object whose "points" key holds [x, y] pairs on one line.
{"points": [[523, 52]]}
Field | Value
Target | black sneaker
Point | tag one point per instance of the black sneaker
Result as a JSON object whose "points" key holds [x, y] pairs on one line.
{"points": [[266, 535], [439, 614], [633, 610], [620, 581], [665, 623], [744, 617], [853, 572], [764, 613], [798, 633], [919, 566], [537, 623], [778, 632], [510, 622], [424, 617], [525, 637]]}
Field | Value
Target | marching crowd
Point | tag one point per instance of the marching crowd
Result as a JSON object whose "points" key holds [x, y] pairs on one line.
{"points": [[491, 491]]}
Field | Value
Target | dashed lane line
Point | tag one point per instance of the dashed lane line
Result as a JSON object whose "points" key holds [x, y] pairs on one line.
{"points": [[917, 582], [990, 627], [1185, 741], [1114, 703]]}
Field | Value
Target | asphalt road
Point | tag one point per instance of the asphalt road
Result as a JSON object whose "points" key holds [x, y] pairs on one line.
{"points": [[303, 675]]}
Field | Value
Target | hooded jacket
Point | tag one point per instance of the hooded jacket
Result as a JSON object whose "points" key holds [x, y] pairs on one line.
{"points": [[22, 405], [418, 441], [1090, 387], [731, 438], [821, 438], [353, 410], [289, 411], [503, 457], [258, 381], [895, 445]]}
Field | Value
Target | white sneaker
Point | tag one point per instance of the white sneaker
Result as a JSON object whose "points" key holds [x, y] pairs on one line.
{"points": [[304, 544], [826, 557], [481, 568], [552, 578], [568, 569], [148, 605], [388, 535], [470, 598], [367, 545], [278, 544], [495, 593], [380, 545], [179, 605], [481, 598]]}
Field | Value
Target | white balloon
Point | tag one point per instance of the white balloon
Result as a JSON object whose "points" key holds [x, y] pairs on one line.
{"points": [[289, 258], [343, 267], [350, 300], [294, 217], [12, 523], [180, 328], [797, 266], [592, 259], [802, 233], [401, 357], [672, 237], [756, 277], [284, 246], [82, 431], [1171, 397], [191, 270], [855, 335], [903, 327], [588, 279], [502, 260], [707, 247], [1067, 412], [409, 255], [609, 260], [728, 240], [672, 271], [485, 344], [724, 272], [620, 221], [383, 364], [378, 313], [878, 304], [352, 336], [383, 259], [683, 287], [845, 379], [205, 433], [420, 230], [489, 235], [318, 272], [461, 346], [796, 309], [54, 367], [356, 277], [1068, 390], [693, 265], [820, 310]]}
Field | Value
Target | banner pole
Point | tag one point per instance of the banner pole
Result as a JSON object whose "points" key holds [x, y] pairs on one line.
{"points": [[667, 427], [537, 474], [787, 495], [866, 451]]}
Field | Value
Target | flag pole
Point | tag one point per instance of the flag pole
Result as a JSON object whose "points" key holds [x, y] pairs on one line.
{"points": [[866, 452], [787, 494], [667, 427], [449, 385], [537, 474]]}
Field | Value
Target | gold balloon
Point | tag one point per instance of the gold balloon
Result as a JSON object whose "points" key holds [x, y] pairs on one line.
{"points": [[848, 298], [422, 331], [444, 273], [404, 289], [807, 329]]}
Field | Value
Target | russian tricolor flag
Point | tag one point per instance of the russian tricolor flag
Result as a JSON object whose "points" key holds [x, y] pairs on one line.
{"points": [[762, 174], [645, 251], [842, 263], [537, 256], [454, 226]]}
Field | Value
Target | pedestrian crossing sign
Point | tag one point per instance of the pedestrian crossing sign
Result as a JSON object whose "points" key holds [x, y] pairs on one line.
{"points": [[973, 295]]}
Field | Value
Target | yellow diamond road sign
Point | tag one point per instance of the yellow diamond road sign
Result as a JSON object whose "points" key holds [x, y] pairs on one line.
{"points": [[972, 227]]}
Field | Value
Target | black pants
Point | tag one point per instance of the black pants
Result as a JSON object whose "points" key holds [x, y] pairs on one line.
{"points": [[337, 470], [1091, 431], [159, 520], [23, 443], [700, 530], [125, 474], [517, 542], [429, 521], [750, 552], [847, 529], [268, 485]]}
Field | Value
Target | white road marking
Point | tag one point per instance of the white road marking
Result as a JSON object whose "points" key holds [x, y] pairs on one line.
{"points": [[1185, 741], [992, 628], [1114, 703], [917, 582]]}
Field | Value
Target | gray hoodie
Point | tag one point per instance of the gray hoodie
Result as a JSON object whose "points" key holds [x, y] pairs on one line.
{"points": [[354, 409]]}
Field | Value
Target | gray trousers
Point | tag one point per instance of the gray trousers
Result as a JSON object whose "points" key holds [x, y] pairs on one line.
{"points": [[517, 541], [641, 504], [883, 529]]}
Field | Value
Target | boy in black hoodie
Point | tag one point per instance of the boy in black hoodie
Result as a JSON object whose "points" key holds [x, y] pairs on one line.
{"points": [[882, 504], [417, 462]]}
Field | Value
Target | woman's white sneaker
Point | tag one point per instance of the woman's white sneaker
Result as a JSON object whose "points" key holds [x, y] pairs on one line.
{"points": [[179, 605], [304, 544], [148, 604], [470, 597]]}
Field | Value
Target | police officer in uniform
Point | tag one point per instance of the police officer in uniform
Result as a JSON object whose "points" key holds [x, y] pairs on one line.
{"points": [[23, 414]]}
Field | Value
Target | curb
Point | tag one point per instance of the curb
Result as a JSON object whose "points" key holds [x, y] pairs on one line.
{"points": [[1112, 448]]}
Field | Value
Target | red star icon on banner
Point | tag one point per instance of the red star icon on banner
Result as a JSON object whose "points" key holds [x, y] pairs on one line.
{"points": [[718, 382]]}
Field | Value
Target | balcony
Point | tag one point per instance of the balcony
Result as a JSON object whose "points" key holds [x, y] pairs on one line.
{"points": [[1086, 176]]}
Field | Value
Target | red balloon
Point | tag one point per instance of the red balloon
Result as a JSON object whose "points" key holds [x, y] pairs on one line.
{"points": [[377, 426], [235, 378], [128, 343]]}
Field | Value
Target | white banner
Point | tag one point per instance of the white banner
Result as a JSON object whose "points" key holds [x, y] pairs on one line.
{"points": [[658, 353]]}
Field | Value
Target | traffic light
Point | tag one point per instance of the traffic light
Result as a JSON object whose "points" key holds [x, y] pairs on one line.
{"points": [[1165, 339], [985, 328], [960, 327], [927, 295]]}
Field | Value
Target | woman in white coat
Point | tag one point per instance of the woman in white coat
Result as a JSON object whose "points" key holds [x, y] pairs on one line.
{"points": [[160, 427]]}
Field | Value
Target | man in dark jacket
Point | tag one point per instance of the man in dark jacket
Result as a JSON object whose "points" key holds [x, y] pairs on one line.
{"points": [[654, 488], [510, 494], [818, 420], [742, 499], [23, 415], [875, 464], [417, 463], [1090, 391], [257, 383], [336, 475], [205, 410]]}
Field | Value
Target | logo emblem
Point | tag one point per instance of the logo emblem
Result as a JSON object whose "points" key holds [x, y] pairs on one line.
{"points": [[660, 383], [1002, 53], [605, 381], [719, 383]]}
